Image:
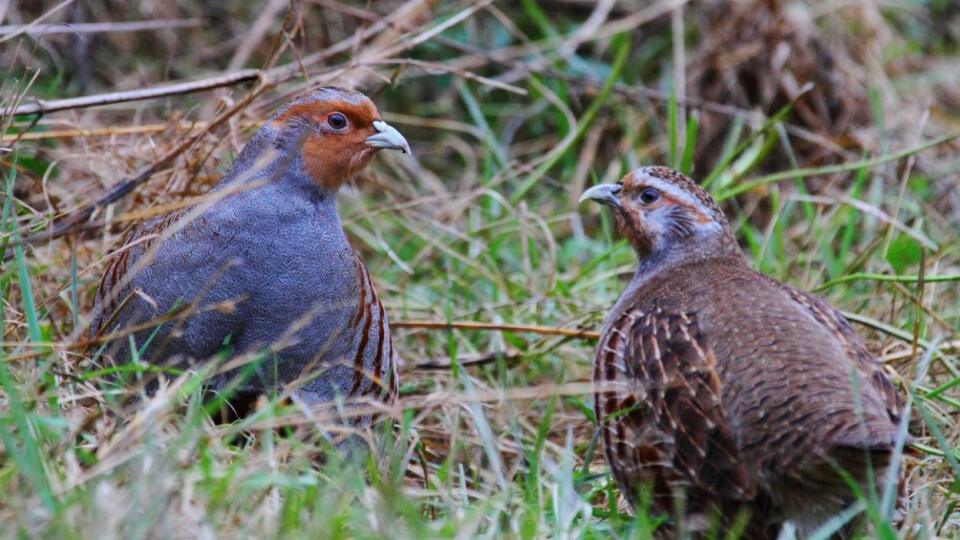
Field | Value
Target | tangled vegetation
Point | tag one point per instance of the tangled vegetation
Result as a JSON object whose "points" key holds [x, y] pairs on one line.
{"points": [[828, 130]]}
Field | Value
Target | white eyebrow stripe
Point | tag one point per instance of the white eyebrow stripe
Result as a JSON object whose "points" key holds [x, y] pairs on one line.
{"points": [[672, 191], [682, 197]]}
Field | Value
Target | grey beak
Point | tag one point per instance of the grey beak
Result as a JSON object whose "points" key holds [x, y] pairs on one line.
{"points": [[603, 194], [387, 137]]}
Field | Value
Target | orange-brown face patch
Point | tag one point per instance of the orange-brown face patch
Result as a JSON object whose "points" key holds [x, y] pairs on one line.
{"points": [[332, 156], [630, 224], [691, 210], [332, 159]]}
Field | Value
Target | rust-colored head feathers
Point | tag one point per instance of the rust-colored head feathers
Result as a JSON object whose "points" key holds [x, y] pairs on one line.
{"points": [[274, 252], [338, 131], [657, 208]]}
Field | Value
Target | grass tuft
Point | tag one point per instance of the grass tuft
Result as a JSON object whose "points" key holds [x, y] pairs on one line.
{"points": [[837, 164]]}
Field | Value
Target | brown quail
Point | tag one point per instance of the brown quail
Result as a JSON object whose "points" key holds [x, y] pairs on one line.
{"points": [[726, 389]]}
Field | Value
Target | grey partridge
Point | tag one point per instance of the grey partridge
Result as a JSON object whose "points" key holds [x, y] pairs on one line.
{"points": [[724, 387], [262, 266]]}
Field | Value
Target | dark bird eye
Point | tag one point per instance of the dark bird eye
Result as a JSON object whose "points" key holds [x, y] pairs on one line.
{"points": [[649, 196], [337, 121]]}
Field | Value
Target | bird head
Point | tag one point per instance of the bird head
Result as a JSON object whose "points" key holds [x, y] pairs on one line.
{"points": [[337, 132], [661, 211]]}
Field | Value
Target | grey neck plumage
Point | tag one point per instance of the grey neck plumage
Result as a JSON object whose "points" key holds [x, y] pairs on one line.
{"points": [[270, 167], [271, 156], [696, 248]]}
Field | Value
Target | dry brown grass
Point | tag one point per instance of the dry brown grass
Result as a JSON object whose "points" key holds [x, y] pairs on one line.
{"points": [[510, 117]]}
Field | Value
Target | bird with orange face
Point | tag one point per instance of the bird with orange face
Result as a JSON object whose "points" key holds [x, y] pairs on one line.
{"points": [[262, 267]]}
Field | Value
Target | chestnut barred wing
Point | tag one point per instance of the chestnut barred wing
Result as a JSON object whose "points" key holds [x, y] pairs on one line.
{"points": [[661, 413], [374, 361]]}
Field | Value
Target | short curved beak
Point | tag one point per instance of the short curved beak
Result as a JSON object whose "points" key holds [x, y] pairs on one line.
{"points": [[603, 194], [387, 137]]}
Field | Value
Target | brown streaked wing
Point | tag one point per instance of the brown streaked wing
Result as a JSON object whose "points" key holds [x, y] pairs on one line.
{"points": [[869, 368], [665, 426]]}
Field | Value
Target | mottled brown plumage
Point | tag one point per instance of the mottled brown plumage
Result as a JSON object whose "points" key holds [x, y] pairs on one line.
{"points": [[725, 386]]}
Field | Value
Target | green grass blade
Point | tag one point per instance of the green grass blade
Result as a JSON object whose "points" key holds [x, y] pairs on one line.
{"points": [[26, 454], [672, 134], [689, 143], [767, 126], [834, 169], [620, 60]]}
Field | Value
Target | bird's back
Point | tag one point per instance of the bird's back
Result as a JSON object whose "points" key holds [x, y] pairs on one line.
{"points": [[794, 384]]}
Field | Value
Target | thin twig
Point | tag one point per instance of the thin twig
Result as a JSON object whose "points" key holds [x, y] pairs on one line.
{"points": [[94, 28], [36, 22], [905, 353], [520, 328], [113, 130], [468, 360], [209, 83], [884, 328], [259, 29], [434, 67], [889, 278]]}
